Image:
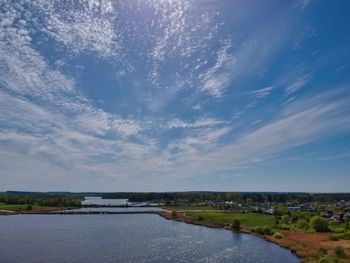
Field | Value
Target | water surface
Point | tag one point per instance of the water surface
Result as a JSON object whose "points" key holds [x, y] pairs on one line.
{"points": [[97, 200], [116, 209], [127, 238]]}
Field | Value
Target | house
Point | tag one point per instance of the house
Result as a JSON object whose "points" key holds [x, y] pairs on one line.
{"points": [[182, 202], [327, 214], [269, 211], [294, 208]]}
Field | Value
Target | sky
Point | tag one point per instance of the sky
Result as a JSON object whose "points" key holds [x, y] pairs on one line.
{"points": [[163, 95]]}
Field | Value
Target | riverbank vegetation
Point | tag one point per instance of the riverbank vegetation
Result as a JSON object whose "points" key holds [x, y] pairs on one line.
{"points": [[314, 226], [308, 235], [20, 203]]}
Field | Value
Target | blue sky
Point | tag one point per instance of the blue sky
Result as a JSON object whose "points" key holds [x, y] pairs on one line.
{"points": [[161, 95]]}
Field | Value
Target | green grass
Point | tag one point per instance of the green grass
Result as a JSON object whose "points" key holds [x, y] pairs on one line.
{"points": [[16, 208], [247, 219], [198, 207]]}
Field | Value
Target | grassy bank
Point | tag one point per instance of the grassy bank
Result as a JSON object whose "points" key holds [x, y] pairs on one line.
{"points": [[188, 208], [10, 208], [247, 219], [309, 245]]}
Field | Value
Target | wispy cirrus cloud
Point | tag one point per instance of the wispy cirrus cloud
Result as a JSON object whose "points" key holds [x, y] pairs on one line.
{"points": [[81, 25], [218, 77], [317, 118], [297, 84], [204, 122], [132, 92], [261, 93], [43, 88]]}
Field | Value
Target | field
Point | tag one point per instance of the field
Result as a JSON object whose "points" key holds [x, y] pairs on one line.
{"points": [[189, 207], [16, 208], [246, 219], [6, 208]]}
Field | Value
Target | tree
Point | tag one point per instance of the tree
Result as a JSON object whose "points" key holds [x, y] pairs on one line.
{"points": [[302, 224], [285, 219], [319, 224], [236, 225], [347, 226]]}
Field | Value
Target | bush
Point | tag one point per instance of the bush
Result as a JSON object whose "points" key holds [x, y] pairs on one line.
{"points": [[298, 215], [302, 224], [335, 237], [339, 251], [327, 259], [278, 235], [277, 220], [200, 218], [29, 207], [173, 214], [285, 219], [284, 227], [261, 230], [322, 251], [236, 225], [319, 224], [346, 235]]}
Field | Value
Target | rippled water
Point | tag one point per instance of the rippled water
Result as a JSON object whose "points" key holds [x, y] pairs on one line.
{"points": [[116, 209], [97, 200], [127, 238]]}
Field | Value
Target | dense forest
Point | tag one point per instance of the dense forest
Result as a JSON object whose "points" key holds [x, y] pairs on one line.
{"points": [[43, 199], [233, 196], [71, 199]]}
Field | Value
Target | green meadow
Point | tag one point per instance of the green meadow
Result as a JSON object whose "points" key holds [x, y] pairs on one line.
{"points": [[246, 219]]}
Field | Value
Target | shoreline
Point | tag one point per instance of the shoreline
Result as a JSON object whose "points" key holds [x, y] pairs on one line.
{"points": [[305, 246], [180, 217]]}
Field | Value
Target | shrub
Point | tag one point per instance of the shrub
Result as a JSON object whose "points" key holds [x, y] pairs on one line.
{"points": [[298, 215], [339, 251], [173, 214], [236, 225], [261, 230], [278, 235], [200, 218], [302, 224], [322, 251], [335, 237], [29, 207], [346, 235], [319, 224], [284, 227], [347, 224], [327, 260], [285, 219]]}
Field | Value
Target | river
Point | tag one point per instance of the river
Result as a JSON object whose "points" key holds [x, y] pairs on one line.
{"points": [[127, 238]]}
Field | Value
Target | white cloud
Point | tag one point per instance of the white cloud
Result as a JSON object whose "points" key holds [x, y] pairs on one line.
{"points": [[297, 84], [218, 77], [81, 25], [178, 30], [315, 119], [261, 93], [204, 122], [301, 3], [47, 89]]}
